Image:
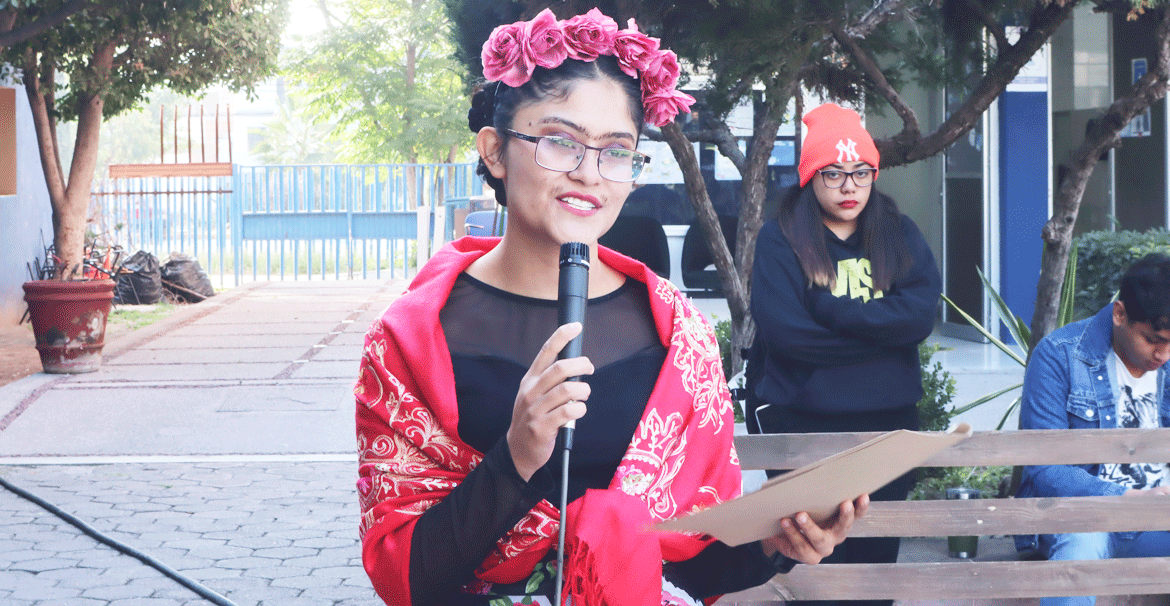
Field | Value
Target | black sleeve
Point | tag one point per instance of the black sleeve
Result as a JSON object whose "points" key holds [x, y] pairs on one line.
{"points": [[721, 569], [778, 307], [453, 538], [904, 315]]}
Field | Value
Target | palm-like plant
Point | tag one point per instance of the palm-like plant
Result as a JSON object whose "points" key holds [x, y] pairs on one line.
{"points": [[1019, 331]]}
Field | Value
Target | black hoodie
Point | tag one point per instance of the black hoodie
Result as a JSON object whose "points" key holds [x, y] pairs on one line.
{"points": [[849, 350]]}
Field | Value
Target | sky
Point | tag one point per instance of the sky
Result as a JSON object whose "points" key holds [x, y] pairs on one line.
{"points": [[304, 18]]}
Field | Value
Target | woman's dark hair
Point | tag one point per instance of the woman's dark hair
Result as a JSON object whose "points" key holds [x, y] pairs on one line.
{"points": [[882, 239], [495, 103]]}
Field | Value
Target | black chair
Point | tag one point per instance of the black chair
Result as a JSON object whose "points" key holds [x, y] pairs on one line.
{"points": [[640, 238], [697, 256]]}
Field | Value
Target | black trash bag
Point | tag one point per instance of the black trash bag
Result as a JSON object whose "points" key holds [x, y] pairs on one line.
{"points": [[183, 277], [140, 281]]}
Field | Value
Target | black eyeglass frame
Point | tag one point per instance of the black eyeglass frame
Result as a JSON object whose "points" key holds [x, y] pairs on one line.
{"points": [[848, 175], [537, 138]]}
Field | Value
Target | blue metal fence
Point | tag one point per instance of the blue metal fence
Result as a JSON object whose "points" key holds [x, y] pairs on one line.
{"points": [[285, 222]]}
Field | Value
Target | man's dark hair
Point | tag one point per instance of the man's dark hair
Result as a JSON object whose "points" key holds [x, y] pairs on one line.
{"points": [[1145, 291]]}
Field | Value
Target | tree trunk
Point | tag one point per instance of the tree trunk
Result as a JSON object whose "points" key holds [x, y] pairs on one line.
{"points": [[70, 199], [704, 209], [1057, 233], [41, 100], [751, 218]]}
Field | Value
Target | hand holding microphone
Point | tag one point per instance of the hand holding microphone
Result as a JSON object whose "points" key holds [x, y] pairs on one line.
{"points": [[548, 397]]}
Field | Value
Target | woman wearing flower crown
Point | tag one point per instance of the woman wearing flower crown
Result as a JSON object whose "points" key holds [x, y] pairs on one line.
{"points": [[461, 395]]}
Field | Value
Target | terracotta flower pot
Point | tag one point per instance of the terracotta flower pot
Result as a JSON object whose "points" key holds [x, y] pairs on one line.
{"points": [[69, 322]]}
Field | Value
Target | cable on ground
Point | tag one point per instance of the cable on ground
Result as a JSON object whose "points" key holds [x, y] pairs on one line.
{"points": [[180, 578]]}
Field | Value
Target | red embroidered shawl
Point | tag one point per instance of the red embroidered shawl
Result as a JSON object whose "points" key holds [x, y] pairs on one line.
{"points": [[681, 457]]}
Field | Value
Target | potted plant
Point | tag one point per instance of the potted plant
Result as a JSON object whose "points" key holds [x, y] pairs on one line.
{"points": [[94, 63], [69, 322]]}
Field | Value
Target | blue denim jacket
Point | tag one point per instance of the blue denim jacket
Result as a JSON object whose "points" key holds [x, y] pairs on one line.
{"points": [[1070, 383]]}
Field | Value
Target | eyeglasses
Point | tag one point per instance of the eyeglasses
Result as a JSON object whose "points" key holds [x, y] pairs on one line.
{"points": [[862, 177], [565, 155]]}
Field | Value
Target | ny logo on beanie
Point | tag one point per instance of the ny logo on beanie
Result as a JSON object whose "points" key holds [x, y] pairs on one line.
{"points": [[847, 151], [834, 132]]}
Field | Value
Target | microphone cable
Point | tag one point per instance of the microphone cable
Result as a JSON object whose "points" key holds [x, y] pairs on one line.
{"points": [[123, 548]]}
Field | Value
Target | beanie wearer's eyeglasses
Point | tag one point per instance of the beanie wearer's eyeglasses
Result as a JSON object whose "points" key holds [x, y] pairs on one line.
{"points": [[833, 179]]}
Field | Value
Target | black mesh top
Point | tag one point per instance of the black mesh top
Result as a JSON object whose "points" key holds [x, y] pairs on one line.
{"points": [[493, 336]]}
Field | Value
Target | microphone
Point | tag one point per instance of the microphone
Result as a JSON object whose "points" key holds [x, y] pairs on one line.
{"points": [[572, 296]]}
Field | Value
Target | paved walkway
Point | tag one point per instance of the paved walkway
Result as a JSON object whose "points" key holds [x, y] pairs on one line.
{"points": [[219, 441]]}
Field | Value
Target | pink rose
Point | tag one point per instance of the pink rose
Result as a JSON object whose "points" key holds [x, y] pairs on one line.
{"points": [[661, 72], [590, 35], [661, 107], [504, 58], [633, 49], [545, 41]]}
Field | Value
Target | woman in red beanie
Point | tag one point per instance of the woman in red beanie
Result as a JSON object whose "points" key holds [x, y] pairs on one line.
{"points": [[844, 288]]}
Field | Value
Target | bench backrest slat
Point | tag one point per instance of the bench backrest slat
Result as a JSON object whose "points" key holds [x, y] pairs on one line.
{"points": [[1013, 516], [1033, 447], [963, 580]]}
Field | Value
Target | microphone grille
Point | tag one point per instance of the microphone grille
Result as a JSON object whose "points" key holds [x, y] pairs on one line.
{"points": [[574, 252]]}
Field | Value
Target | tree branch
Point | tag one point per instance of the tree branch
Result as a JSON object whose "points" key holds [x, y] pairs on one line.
{"points": [[328, 16], [1103, 134], [897, 152], [880, 13], [992, 24], [720, 135], [910, 128], [31, 30]]}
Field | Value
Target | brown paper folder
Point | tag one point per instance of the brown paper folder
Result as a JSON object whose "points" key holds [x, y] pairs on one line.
{"points": [[817, 488]]}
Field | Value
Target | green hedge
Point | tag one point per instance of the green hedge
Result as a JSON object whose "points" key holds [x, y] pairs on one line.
{"points": [[1102, 258]]}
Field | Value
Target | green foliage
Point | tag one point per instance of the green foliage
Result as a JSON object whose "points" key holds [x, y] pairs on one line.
{"points": [[182, 45], [1102, 258], [386, 75], [723, 338], [137, 316], [938, 391], [298, 135], [933, 482], [935, 414], [1018, 329]]}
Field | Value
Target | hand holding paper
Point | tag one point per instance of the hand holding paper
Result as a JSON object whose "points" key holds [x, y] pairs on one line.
{"points": [[808, 542], [818, 488]]}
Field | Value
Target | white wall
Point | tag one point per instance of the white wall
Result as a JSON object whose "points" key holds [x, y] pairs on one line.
{"points": [[25, 218]]}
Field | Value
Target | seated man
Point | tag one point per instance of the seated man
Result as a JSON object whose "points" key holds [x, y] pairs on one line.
{"points": [[1106, 371]]}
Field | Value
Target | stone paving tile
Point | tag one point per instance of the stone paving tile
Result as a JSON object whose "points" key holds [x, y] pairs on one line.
{"points": [[260, 534]]}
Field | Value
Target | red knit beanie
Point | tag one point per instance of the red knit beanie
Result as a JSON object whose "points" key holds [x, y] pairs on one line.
{"points": [[834, 134]]}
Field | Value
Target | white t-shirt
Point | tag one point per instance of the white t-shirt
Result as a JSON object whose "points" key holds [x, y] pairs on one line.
{"points": [[1137, 407]]}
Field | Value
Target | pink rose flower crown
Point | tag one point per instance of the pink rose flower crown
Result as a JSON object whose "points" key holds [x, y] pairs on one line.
{"points": [[513, 51]]}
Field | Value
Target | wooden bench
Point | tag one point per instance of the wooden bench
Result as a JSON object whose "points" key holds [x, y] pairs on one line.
{"points": [[965, 581]]}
